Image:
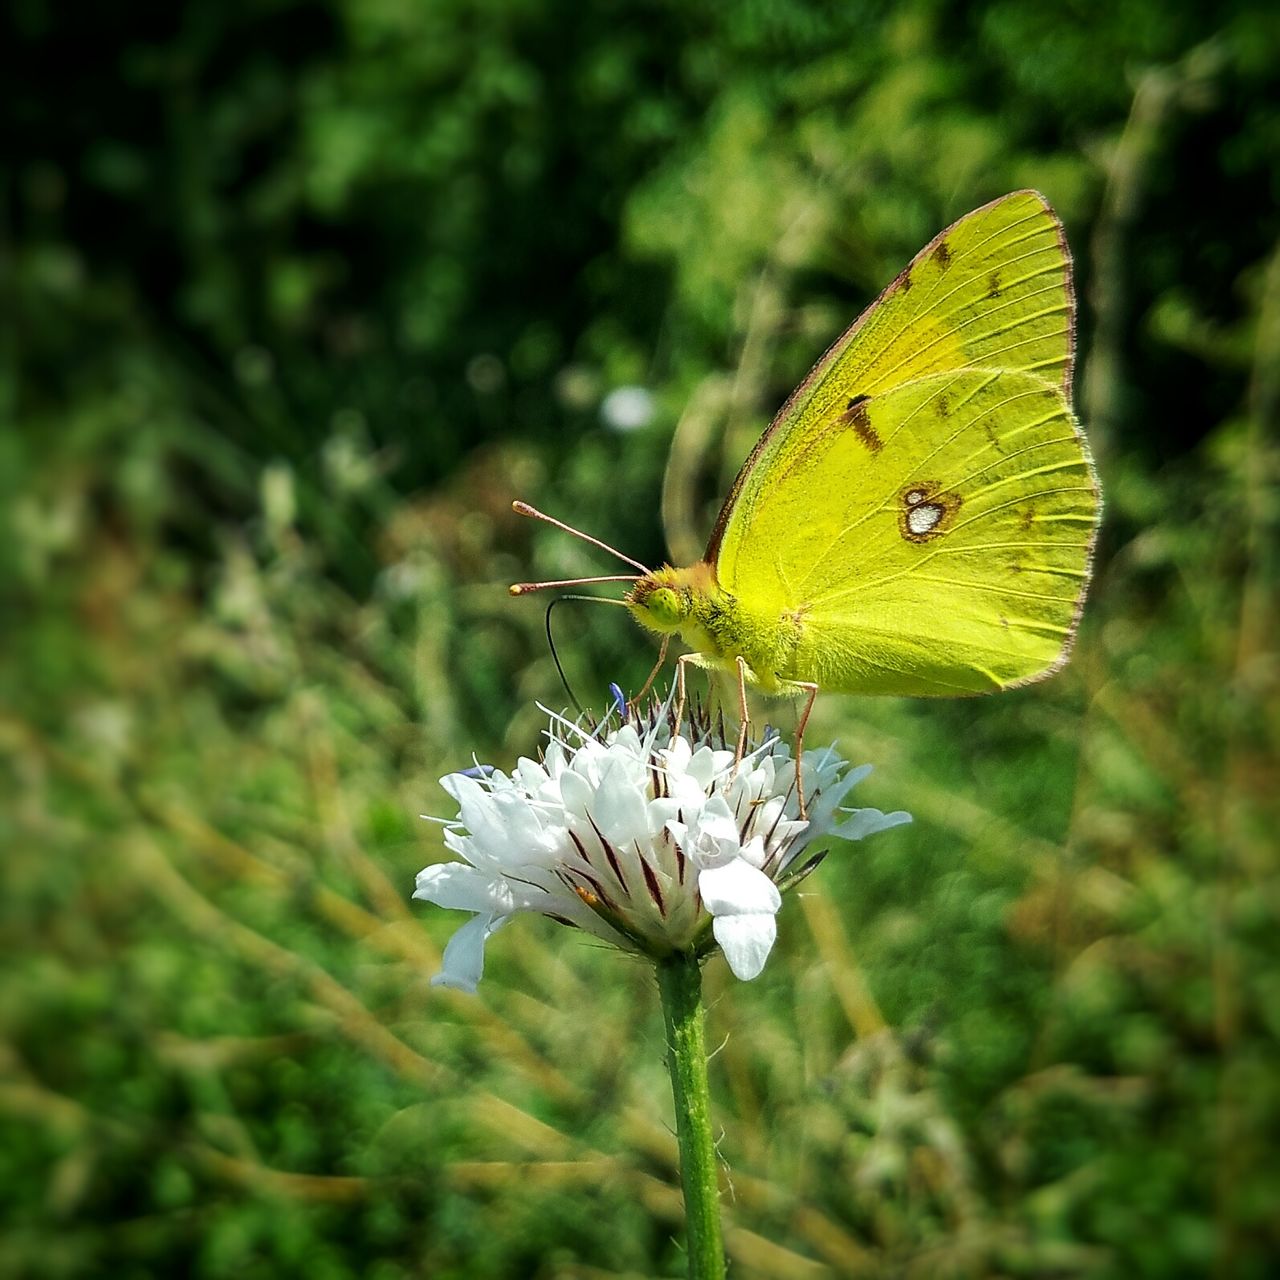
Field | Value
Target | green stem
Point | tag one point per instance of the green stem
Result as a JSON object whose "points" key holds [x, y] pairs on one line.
{"points": [[680, 982]]}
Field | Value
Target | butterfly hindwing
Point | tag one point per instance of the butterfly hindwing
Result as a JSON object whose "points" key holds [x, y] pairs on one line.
{"points": [[931, 539]]}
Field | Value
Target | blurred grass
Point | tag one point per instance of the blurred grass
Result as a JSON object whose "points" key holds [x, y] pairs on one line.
{"points": [[297, 318]]}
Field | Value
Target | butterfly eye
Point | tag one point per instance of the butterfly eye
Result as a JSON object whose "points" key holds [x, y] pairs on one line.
{"points": [[666, 607]]}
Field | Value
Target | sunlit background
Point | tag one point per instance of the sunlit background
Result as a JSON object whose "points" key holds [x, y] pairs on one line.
{"points": [[297, 298]]}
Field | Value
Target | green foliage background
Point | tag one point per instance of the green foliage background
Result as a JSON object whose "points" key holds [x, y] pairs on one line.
{"points": [[297, 297]]}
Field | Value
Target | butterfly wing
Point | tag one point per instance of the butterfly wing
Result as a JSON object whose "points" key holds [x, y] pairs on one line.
{"points": [[920, 516], [937, 543]]}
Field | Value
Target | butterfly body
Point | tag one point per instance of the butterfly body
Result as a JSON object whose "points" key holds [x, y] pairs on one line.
{"points": [[919, 518]]}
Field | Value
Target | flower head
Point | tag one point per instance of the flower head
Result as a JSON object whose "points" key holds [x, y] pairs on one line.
{"points": [[652, 839]]}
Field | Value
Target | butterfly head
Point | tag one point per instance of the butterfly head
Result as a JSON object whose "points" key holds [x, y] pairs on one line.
{"points": [[665, 600], [662, 600]]}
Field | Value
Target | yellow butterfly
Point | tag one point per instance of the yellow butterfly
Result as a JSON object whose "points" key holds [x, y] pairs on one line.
{"points": [[920, 516]]}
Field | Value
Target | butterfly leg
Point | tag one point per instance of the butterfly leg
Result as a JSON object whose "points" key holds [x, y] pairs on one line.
{"points": [[800, 726], [744, 717], [653, 675], [681, 690]]}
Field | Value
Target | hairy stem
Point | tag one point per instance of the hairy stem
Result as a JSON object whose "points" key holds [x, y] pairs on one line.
{"points": [[680, 982]]}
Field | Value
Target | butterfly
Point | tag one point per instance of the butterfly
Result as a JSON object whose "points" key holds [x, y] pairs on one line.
{"points": [[920, 517]]}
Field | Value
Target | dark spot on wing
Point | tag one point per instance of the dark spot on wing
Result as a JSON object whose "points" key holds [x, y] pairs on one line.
{"points": [[1027, 517], [924, 506], [943, 403], [991, 435], [942, 254], [858, 416], [903, 280], [993, 285]]}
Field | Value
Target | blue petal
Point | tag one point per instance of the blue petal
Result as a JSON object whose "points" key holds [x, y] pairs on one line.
{"points": [[619, 701]]}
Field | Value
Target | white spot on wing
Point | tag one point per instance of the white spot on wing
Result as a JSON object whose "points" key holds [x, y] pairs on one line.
{"points": [[924, 518], [912, 496]]}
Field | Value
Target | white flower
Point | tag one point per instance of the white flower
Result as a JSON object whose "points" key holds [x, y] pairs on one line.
{"points": [[651, 840], [628, 408]]}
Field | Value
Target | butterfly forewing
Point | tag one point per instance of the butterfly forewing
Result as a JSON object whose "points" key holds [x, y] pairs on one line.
{"points": [[991, 291]]}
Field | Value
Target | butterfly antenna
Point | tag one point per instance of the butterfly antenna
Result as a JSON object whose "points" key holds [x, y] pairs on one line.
{"points": [[524, 588], [524, 509]]}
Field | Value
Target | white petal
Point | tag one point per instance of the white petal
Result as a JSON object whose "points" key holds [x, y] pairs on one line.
{"points": [[477, 809], [753, 851], [458, 843], [553, 758], [865, 822], [618, 808], [462, 888], [688, 793], [703, 766], [861, 771], [575, 793], [530, 773], [676, 756], [588, 760], [715, 840], [463, 960], [746, 941], [823, 813], [661, 812], [737, 887], [769, 813]]}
